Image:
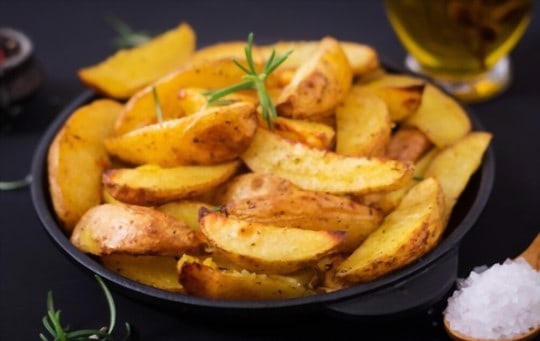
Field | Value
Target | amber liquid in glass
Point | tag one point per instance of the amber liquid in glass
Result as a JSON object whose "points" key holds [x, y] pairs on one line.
{"points": [[458, 39]]}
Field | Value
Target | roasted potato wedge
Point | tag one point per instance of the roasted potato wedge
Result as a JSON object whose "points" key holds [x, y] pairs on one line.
{"points": [[267, 248], [406, 234], [454, 166], [205, 279], [314, 134], [319, 85], [440, 117], [363, 125], [156, 271], [407, 144], [136, 230], [186, 211], [79, 145], [317, 170], [140, 109], [402, 94], [215, 135], [312, 211], [151, 185], [128, 71]]}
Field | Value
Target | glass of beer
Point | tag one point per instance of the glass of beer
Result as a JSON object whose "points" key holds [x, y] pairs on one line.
{"points": [[463, 45]]}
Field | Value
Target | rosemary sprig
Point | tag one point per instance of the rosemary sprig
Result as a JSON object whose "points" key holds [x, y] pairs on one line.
{"points": [[157, 105], [12, 185], [127, 37], [253, 81], [52, 323]]}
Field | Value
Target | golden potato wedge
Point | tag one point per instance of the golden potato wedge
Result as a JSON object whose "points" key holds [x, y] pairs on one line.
{"points": [[205, 279], [151, 185], [140, 109], [267, 248], [402, 93], [407, 233], [314, 134], [440, 117], [363, 125], [407, 144], [362, 58], [136, 230], [213, 136], [77, 146], [454, 166], [230, 49], [388, 201], [327, 268], [319, 85], [251, 185], [185, 210], [312, 211], [128, 71], [323, 171], [156, 271]]}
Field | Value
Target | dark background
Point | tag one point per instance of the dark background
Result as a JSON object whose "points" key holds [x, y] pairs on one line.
{"points": [[71, 34]]}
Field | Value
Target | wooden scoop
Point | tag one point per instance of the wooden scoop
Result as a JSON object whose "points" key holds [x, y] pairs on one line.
{"points": [[532, 256]]}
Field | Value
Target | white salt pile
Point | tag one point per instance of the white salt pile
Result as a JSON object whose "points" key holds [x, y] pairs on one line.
{"points": [[497, 302]]}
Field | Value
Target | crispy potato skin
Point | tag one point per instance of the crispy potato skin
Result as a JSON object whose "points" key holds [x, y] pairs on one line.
{"points": [[216, 135], [309, 210], [136, 230], [261, 248], [79, 145], [319, 85], [127, 71], [407, 233], [408, 144]]}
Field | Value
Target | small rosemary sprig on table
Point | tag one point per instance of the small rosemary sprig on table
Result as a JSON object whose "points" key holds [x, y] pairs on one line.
{"points": [[127, 37], [52, 323], [254, 81]]}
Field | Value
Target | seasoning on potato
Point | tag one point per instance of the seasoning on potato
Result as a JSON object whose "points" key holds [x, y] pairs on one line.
{"points": [[244, 172]]}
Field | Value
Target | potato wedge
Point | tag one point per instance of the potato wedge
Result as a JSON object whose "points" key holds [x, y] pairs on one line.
{"points": [[363, 125], [388, 201], [230, 49], [407, 233], [362, 58], [205, 279], [454, 166], [128, 71], [251, 185], [79, 145], [140, 110], [266, 248], [213, 136], [314, 134], [186, 211], [151, 185], [323, 171], [312, 211], [155, 271], [319, 85], [407, 144], [402, 94], [440, 117], [136, 230]]}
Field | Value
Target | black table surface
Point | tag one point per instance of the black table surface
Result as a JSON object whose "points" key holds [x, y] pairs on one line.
{"points": [[71, 34]]}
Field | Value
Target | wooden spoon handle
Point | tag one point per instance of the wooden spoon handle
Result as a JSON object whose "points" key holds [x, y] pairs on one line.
{"points": [[532, 253]]}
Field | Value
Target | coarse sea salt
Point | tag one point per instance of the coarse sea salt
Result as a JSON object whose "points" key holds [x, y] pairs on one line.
{"points": [[496, 302]]}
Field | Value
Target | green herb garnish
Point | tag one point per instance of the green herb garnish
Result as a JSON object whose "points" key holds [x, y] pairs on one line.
{"points": [[253, 81], [12, 185], [127, 37], [59, 333]]}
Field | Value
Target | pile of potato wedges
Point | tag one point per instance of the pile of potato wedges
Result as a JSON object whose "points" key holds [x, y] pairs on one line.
{"points": [[356, 178]]}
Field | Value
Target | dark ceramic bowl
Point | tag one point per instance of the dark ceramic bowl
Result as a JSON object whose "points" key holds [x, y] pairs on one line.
{"points": [[414, 287]]}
